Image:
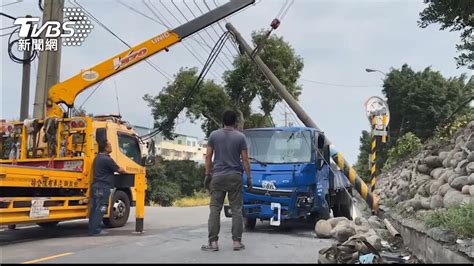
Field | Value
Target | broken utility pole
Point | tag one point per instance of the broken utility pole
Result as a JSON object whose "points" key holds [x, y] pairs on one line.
{"points": [[345, 166]]}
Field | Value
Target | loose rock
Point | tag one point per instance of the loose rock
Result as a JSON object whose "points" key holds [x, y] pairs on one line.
{"points": [[323, 229]]}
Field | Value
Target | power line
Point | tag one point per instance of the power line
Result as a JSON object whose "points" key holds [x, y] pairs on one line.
{"points": [[283, 13], [213, 28], [14, 26], [169, 11], [256, 3], [6, 34], [165, 21], [170, 25], [339, 85], [16, 2], [96, 87], [162, 72], [222, 28], [141, 13], [167, 25], [206, 30], [8, 16], [220, 62], [281, 9], [207, 66]]}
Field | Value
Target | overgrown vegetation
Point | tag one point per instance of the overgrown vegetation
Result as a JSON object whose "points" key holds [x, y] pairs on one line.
{"points": [[405, 146], [459, 219], [446, 131], [200, 198], [169, 181]]}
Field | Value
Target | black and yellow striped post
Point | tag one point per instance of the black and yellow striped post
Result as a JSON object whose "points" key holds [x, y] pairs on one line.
{"points": [[373, 160], [373, 155], [357, 183], [384, 121], [379, 136]]}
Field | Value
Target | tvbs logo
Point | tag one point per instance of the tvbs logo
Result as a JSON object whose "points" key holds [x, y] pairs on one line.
{"points": [[73, 31]]}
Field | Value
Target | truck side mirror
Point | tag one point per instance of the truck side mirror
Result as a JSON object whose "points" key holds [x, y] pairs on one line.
{"points": [[149, 159]]}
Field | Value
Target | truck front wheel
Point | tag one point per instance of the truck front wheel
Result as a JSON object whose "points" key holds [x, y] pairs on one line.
{"points": [[119, 211], [343, 204], [250, 223]]}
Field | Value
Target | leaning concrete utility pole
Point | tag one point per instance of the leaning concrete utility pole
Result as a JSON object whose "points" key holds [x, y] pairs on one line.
{"points": [[346, 167], [49, 61]]}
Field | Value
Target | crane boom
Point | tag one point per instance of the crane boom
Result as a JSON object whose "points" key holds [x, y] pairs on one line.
{"points": [[66, 92]]}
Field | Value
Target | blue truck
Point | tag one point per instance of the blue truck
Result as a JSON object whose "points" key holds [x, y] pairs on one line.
{"points": [[293, 178]]}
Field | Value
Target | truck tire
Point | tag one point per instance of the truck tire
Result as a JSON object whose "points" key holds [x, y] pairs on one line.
{"points": [[250, 223], [316, 216], [119, 210], [343, 204], [346, 210], [48, 225]]}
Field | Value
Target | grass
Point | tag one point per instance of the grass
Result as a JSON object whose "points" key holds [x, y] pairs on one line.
{"points": [[198, 199], [459, 220]]}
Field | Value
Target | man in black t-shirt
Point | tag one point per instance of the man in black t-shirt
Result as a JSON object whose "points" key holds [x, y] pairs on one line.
{"points": [[104, 169]]}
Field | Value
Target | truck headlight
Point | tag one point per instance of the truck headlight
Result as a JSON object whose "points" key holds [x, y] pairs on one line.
{"points": [[304, 201]]}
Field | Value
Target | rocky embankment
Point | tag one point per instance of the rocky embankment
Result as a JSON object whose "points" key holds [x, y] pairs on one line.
{"points": [[439, 177]]}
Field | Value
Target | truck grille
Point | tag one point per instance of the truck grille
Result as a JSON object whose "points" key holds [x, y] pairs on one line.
{"points": [[272, 193]]}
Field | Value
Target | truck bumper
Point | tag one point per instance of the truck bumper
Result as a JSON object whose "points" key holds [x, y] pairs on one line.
{"points": [[273, 212], [20, 210]]}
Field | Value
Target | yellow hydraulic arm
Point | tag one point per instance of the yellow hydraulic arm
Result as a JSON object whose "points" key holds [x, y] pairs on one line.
{"points": [[67, 91]]}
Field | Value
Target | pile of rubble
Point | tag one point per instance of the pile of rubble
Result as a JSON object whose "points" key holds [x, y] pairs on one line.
{"points": [[441, 176], [358, 240], [342, 229]]}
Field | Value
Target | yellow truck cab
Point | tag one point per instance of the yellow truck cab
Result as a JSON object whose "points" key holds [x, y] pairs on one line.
{"points": [[46, 170]]}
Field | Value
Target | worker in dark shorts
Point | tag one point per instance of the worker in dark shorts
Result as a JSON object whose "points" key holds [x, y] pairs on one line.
{"points": [[229, 147], [104, 169]]}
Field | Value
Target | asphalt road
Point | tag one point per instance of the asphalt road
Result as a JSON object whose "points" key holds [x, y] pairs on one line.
{"points": [[171, 235]]}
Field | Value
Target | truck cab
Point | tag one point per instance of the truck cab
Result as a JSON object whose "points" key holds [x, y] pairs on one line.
{"points": [[47, 170], [291, 178]]}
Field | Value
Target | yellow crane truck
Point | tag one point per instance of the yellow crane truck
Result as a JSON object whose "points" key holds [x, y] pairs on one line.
{"points": [[46, 165]]}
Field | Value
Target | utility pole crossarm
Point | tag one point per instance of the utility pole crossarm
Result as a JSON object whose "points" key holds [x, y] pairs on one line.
{"points": [[346, 167]]}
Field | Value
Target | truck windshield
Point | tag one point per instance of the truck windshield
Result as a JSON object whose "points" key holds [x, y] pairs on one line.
{"points": [[276, 146]]}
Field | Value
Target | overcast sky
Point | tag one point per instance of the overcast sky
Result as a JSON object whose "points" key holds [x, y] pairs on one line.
{"points": [[336, 39]]}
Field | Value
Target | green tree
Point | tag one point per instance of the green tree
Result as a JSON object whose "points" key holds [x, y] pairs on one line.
{"points": [[362, 164], [242, 85], [161, 189], [169, 180], [455, 15], [258, 120], [420, 101], [189, 175], [245, 81], [207, 102]]}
